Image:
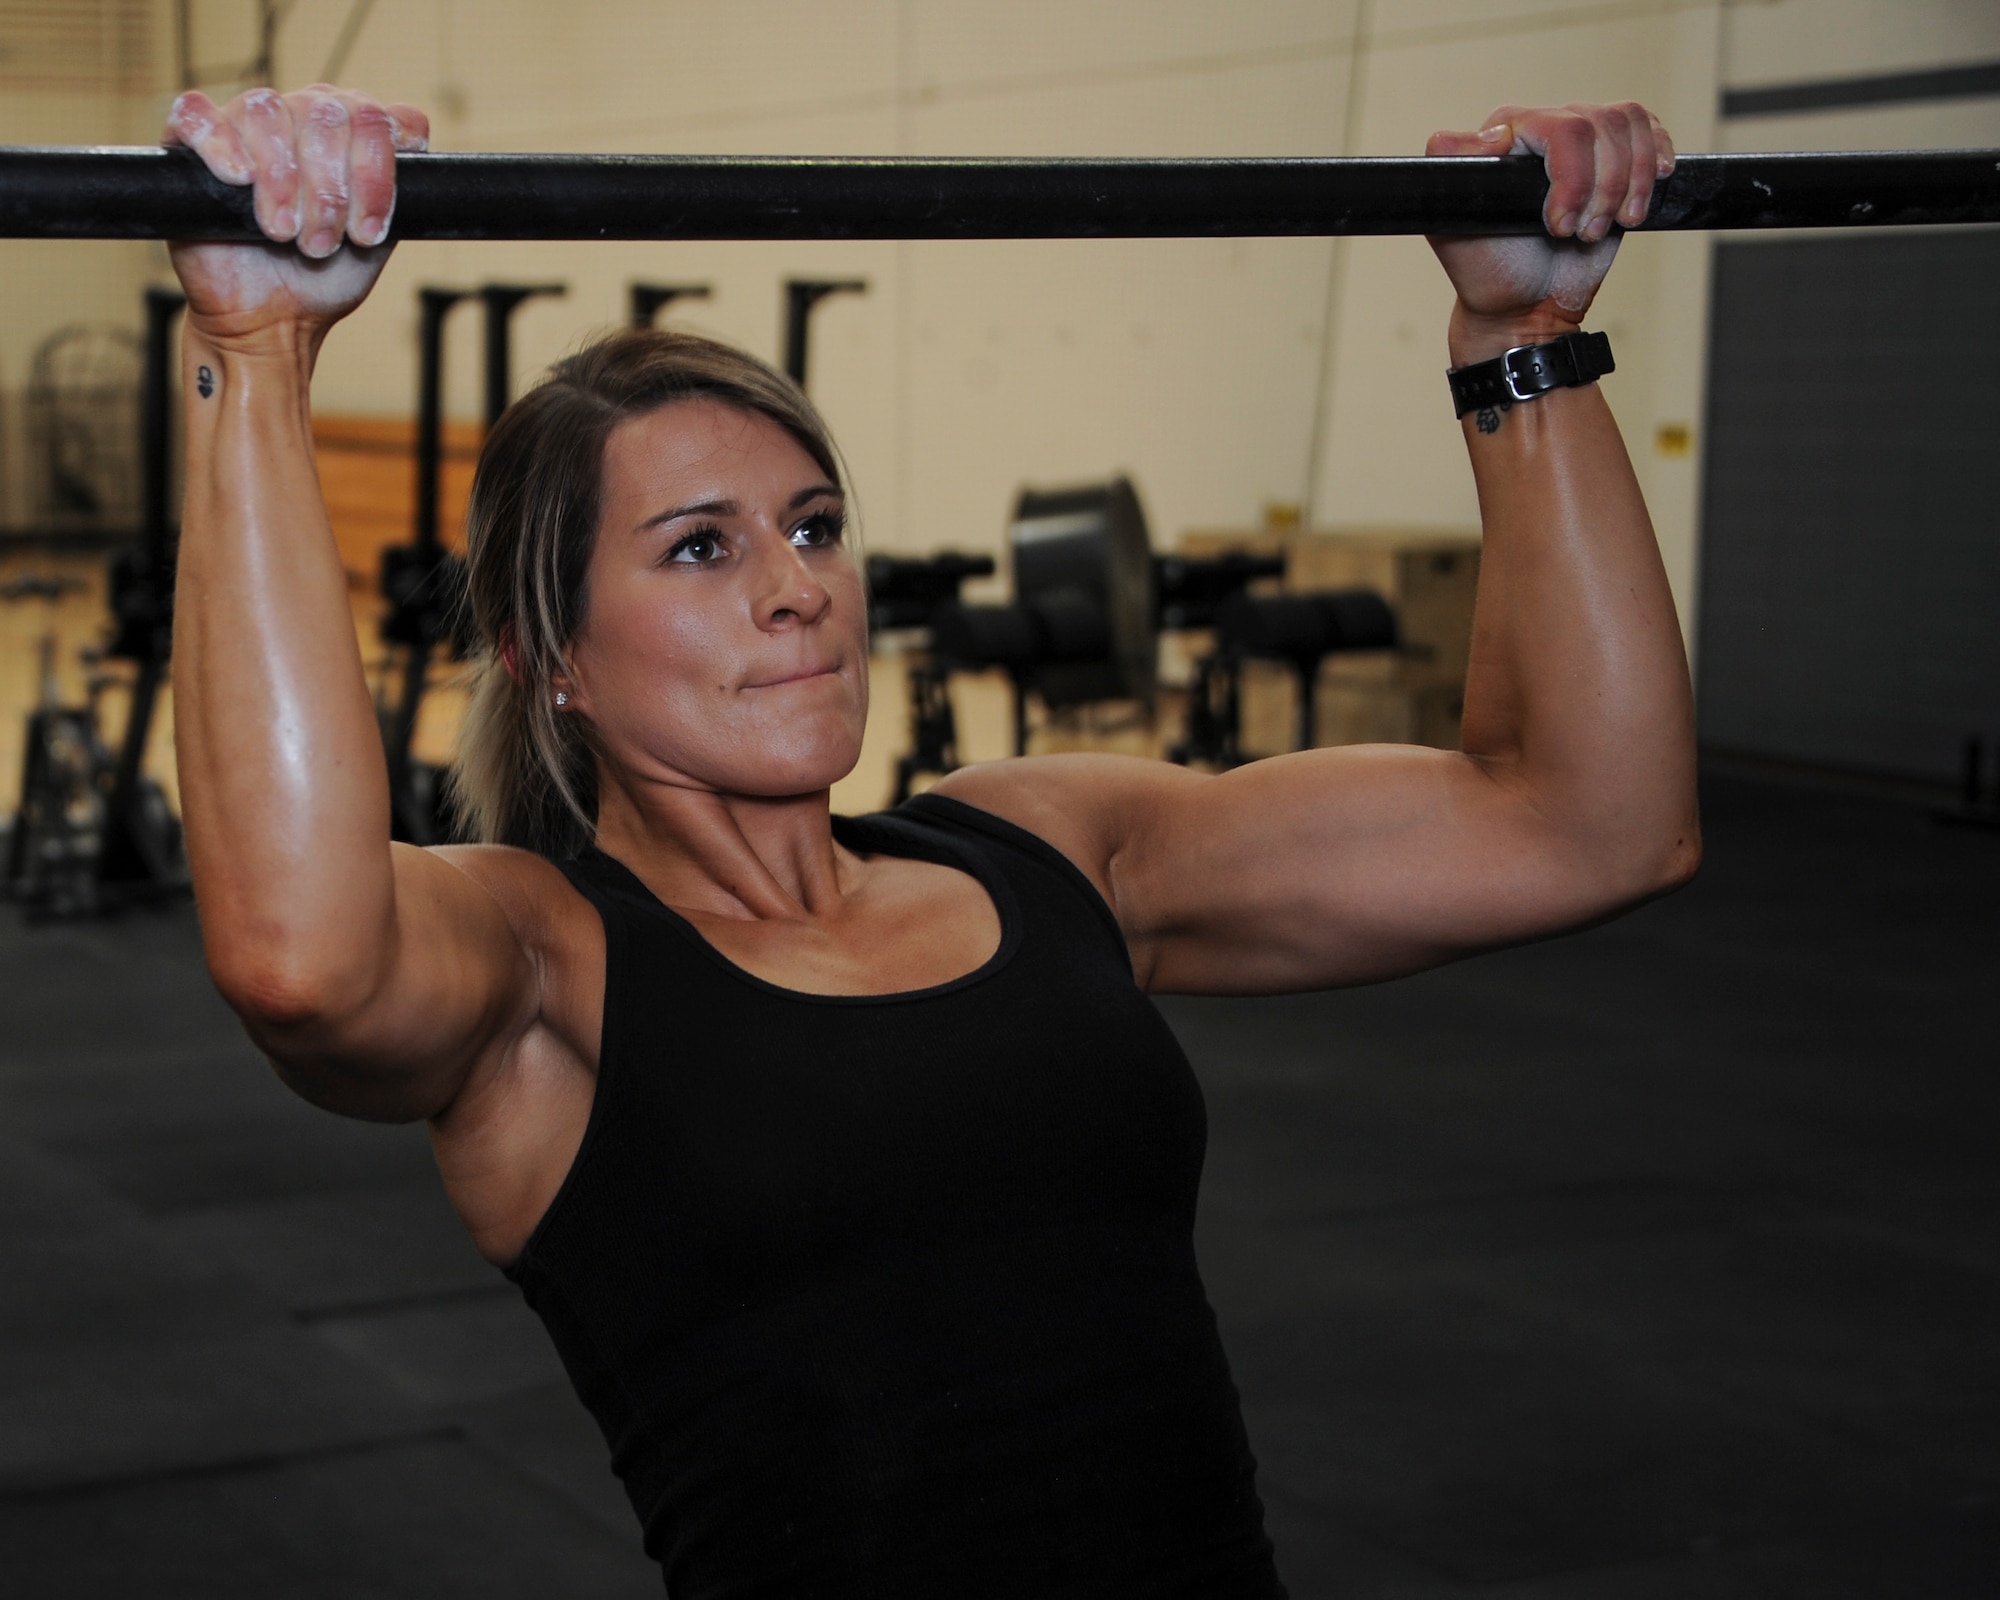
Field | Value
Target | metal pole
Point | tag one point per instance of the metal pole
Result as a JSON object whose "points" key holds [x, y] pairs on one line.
{"points": [[412, 586], [143, 193], [801, 295], [502, 300], [184, 44], [648, 299], [142, 594], [433, 305], [265, 68], [412, 575], [163, 306]]}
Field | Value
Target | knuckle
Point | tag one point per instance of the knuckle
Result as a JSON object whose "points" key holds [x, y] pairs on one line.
{"points": [[412, 127]]}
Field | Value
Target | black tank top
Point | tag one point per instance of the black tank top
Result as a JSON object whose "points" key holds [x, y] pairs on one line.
{"points": [[894, 1296]]}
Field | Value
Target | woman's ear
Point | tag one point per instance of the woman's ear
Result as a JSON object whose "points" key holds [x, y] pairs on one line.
{"points": [[563, 689]]}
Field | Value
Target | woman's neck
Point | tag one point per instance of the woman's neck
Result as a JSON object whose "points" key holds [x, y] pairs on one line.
{"points": [[728, 855]]}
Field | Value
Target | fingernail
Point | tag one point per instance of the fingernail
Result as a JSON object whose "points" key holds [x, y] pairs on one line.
{"points": [[1495, 134], [323, 242], [1567, 224], [285, 224], [1635, 212], [370, 230]]}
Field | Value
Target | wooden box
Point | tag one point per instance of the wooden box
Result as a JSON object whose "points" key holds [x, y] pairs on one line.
{"points": [[1430, 578]]}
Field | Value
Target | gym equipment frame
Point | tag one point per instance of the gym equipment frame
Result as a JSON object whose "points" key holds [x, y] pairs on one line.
{"points": [[93, 192]]}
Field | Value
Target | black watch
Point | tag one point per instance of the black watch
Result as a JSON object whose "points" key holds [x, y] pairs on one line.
{"points": [[1529, 370]]}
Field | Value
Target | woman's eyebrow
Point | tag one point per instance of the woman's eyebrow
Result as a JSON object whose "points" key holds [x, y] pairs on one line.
{"points": [[696, 508], [729, 508]]}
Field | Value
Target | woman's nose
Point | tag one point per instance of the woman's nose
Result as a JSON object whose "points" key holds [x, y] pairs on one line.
{"points": [[788, 591]]}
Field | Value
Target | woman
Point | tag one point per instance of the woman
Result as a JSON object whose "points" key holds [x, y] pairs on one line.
{"points": [[847, 1161]]}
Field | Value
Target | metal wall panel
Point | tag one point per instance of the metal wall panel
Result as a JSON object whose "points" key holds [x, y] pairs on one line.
{"points": [[1850, 565]]}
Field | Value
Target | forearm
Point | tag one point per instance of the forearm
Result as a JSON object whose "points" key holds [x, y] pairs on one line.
{"points": [[282, 775], [1578, 690]]}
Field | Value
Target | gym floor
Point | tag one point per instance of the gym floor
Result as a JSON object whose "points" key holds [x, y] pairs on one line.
{"points": [[1659, 1261]]}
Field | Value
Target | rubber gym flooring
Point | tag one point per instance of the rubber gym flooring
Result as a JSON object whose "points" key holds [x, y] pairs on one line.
{"points": [[1660, 1261]]}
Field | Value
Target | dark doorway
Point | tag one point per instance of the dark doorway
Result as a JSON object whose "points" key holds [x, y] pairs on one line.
{"points": [[1850, 566]]}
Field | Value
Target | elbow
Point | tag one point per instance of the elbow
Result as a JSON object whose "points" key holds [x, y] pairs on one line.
{"points": [[1657, 866], [285, 996], [1674, 865], [317, 1019], [307, 1023], [1606, 877]]}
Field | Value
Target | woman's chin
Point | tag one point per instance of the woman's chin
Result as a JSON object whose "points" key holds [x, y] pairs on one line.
{"points": [[800, 772]]}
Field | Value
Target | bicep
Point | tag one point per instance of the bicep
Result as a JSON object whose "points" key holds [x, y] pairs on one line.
{"points": [[454, 980], [1340, 866]]}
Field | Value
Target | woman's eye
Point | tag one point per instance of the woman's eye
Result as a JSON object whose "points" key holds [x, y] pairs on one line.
{"points": [[821, 530], [697, 549]]}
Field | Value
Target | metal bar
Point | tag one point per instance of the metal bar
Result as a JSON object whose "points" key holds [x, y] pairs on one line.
{"points": [[502, 300], [801, 295], [156, 411], [647, 299], [144, 193], [433, 306]]}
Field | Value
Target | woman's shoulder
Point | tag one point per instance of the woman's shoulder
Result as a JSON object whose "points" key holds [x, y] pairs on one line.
{"points": [[1083, 805], [1080, 803], [538, 898]]}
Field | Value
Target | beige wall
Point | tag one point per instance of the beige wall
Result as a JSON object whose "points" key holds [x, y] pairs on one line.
{"points": [[1389, 455], [1195, 365], [51, 284], [1789, 41]]}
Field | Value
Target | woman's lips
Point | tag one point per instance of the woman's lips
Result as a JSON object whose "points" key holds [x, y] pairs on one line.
{"points": [[801, 676]]}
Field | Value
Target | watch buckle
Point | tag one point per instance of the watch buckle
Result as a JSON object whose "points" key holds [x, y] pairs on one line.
{"points": [[1507, 372]]}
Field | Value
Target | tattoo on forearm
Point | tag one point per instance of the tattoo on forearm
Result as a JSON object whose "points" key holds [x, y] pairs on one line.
{"points": [[1488, 420], [204, 383]]}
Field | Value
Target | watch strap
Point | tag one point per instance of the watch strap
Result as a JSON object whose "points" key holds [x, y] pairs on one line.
{"points": [[1529, 370]]}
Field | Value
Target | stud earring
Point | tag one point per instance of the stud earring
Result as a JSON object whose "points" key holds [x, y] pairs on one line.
{"points": [[562, 699]]}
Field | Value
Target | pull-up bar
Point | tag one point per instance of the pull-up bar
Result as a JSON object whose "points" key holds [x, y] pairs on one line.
{"points": [[147, 193]]}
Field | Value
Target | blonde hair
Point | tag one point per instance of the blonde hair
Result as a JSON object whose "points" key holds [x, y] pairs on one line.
{"points": [[526, 775]]}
